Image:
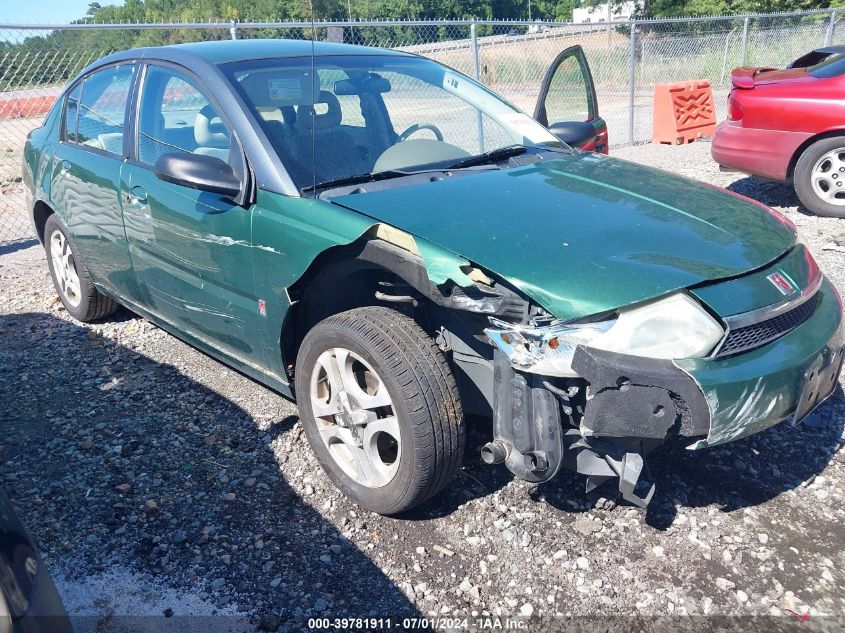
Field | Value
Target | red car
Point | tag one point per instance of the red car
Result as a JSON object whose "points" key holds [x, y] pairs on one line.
{"points": [[789, 125]]}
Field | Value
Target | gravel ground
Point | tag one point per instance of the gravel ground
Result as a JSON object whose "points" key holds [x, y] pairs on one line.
{"points": [[158, 481]]}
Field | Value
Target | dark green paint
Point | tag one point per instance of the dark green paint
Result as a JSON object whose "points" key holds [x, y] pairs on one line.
{"points": [[586, 233], [192, 254], [753, 291], [87, 194]]}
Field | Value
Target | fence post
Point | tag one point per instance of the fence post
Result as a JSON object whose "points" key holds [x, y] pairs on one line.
{"points": [[743, 46], [632, 79], [233, 30], [476, 74], [473, 35], [831, 29]]}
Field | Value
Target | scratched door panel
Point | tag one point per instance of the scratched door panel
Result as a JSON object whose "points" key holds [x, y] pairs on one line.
{"points": [[192, 253]]}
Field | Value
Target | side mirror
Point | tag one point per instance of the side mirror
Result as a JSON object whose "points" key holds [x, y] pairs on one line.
{"points": [[197, 171], [574, 133]]}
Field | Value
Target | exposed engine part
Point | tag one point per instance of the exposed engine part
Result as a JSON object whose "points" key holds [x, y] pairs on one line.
{"points": [[497, 299], [526, 423], [442, 339], [395, 292], [495, 452], [540, 424]]}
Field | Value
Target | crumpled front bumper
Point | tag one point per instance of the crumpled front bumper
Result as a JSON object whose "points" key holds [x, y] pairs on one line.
{"points": [[752, 391], [633, 404]]}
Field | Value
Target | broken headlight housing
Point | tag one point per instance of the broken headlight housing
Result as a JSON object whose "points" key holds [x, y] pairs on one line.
{"points": [[673, 327]]}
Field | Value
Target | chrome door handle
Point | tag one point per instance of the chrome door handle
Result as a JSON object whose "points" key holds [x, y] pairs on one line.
{"points": [[137, 197]]}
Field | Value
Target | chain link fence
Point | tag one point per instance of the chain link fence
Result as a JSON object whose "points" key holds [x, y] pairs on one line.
{"points": [[628, 59]]}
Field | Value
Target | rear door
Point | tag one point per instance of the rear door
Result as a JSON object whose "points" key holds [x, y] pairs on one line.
{"points": [[567, 104], [86, 173]]}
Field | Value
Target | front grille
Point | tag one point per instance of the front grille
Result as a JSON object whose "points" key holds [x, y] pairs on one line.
{"points": [[757, 334]]}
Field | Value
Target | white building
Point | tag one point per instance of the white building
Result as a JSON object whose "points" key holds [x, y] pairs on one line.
{"points": [[598, 13]]}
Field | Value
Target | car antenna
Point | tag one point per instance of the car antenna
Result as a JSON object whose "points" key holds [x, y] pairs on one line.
{"points": [[313, 96]]}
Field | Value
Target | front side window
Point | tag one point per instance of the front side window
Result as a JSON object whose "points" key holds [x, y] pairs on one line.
{"points": [[177, 116], [101, 116], [344, 116]]}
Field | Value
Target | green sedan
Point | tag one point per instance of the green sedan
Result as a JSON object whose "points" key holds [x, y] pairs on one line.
{"points": [[396, 247]]}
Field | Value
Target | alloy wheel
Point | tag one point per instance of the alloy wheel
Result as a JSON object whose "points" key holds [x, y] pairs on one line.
{"points": [[355, 417], [828, 177], [64, 268]]}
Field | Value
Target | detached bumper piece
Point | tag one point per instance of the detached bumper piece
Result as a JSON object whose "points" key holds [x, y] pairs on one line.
{"points": [[632, 406], [632, 396]]}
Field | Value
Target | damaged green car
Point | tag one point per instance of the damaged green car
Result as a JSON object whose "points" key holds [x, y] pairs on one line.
{"points": [[395, 246]]}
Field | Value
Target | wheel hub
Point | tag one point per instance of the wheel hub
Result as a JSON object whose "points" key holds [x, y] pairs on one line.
{"points": [[64, 268], [355, 417], [827, 175]]}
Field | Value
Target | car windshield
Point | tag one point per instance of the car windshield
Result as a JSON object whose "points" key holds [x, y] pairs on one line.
{"points": [[342, 117], [833, 66]]}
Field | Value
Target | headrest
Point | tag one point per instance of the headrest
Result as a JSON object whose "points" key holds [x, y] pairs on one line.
{"points": [[307, 115], [209, 130]]}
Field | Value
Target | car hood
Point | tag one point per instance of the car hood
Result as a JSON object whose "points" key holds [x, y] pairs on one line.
{"points": [[586, 233]]}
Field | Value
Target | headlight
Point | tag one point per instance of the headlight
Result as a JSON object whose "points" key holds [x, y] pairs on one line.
{"points": [[673, 327]]}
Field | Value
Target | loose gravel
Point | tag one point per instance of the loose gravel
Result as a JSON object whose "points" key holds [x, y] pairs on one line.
{"points": [[137, 461]]}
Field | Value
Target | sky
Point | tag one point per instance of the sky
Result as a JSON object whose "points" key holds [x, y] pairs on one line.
{"points": [[44, 11]]}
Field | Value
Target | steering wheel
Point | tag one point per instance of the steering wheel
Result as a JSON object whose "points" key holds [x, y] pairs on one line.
{"points": [[416, 127]]}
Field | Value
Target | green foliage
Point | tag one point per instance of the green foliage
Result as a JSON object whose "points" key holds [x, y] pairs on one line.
{"points": [[681, 8], [56, 56]]}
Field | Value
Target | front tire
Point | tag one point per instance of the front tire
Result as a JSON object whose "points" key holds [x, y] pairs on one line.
{"points": [[819, 177], [70, 276], [380, 408]]}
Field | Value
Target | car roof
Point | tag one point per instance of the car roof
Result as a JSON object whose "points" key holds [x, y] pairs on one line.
{"points": [[223, 51]]}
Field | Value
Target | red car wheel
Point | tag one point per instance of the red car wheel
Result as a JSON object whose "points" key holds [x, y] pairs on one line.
{"points": [[820, 177]]}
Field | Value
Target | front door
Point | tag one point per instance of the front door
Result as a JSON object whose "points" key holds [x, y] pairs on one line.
{"points": [[191, 249], [567, 104]]}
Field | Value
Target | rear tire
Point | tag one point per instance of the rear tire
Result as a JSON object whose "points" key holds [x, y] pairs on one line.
{"points": [[371, 374], [70, 276], [819, 177]]}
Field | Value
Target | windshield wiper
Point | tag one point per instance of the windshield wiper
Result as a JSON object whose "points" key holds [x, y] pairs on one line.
{"points": [[500, 154], [357, 179], [493, 156]]}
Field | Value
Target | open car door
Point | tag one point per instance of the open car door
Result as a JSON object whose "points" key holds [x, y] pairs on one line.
{"points": [[567, 104]]}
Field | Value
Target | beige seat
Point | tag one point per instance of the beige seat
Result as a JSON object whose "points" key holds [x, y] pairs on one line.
{"points": [[211, 135], [111, 142]]}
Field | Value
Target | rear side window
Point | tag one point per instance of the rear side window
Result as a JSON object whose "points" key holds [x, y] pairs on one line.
{"points": [[96, 117], [831, 67]]}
